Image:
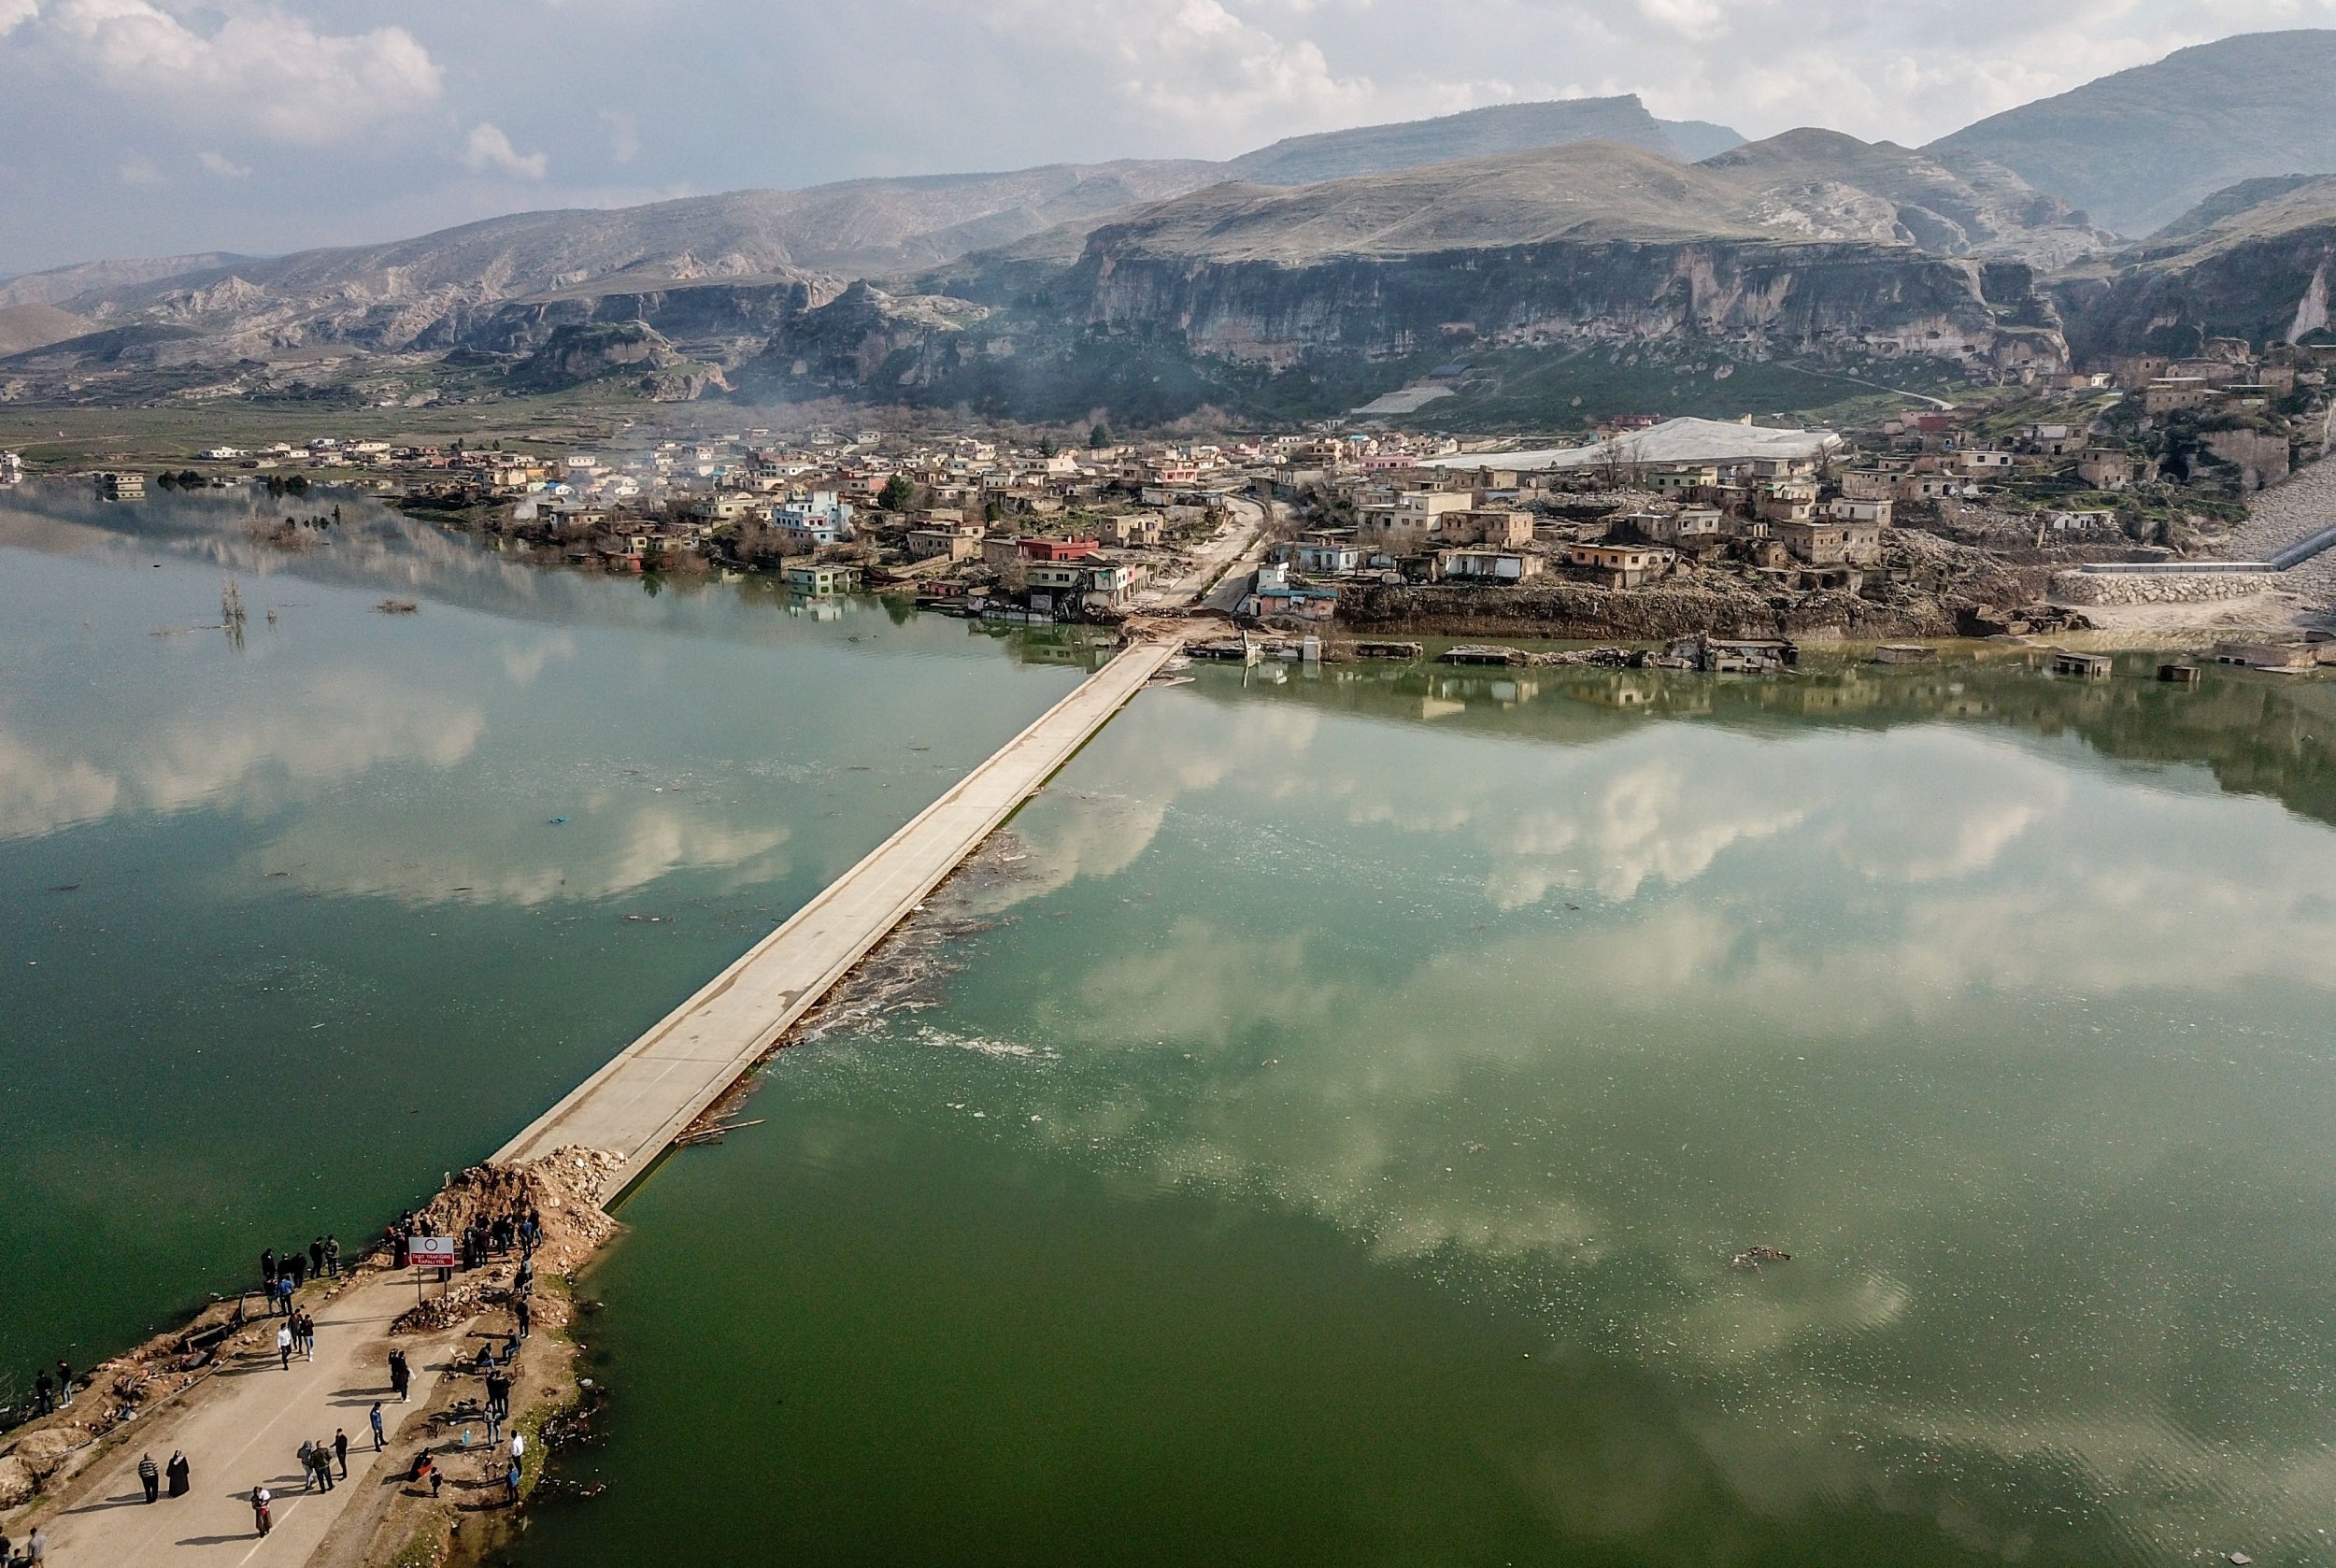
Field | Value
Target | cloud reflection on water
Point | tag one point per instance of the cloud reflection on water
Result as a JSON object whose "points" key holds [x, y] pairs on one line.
{"points": [[2010, 967], [255, 752]]}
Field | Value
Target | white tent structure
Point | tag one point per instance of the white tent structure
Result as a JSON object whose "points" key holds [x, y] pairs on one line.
{"points": [[1715, 441]]}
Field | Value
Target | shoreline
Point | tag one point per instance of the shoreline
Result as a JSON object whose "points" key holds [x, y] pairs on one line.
{"points": [[402, 1526]]}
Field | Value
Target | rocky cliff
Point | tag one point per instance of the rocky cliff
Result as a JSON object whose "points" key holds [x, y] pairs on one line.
{"points": [[1210, 296], [2256, 261], [623, 351], [1757, 298]]}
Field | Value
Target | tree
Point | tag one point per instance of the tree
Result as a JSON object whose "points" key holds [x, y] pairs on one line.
{"points": [[899, 493], [1046, 447], [991, 511], [1099, 437]]}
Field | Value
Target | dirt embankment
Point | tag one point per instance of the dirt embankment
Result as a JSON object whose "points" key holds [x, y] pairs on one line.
{"points": [[1921, 589], [1649, 614], [467, 1519], [42, 1462]]}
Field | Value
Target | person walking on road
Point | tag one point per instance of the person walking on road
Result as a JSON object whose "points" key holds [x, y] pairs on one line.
{"points": [[378, 1435], [261, 1498], [511, 1482], [307, 1456], [150, 1477], [322, 1457], [341, 1449], [400, 1378], [178, 1473], [284, 1345]]}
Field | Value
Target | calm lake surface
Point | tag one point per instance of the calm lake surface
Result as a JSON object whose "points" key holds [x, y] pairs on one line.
{"points": [[295, 926], [1331, 1144]]}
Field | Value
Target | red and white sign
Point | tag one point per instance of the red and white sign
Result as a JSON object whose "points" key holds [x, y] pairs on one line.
{"points": [[431, 1252]]}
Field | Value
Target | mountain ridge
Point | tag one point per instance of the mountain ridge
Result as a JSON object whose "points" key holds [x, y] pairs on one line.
{"points": [[2138, 148]]}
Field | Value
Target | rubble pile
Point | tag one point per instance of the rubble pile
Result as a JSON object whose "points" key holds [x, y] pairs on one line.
{"points": [[564, 1188]]}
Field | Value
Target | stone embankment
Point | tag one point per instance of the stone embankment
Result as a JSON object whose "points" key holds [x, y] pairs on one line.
{"points": [[2286, 515], [2158, 588]]}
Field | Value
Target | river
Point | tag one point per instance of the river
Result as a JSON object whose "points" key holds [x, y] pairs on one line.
{"points": [[1333, 1141]]}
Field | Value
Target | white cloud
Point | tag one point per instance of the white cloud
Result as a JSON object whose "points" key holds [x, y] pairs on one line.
{"points": [[1192, 63], [221, 165], [16, 13], [489, 149], [262, 70], [138, 169]]}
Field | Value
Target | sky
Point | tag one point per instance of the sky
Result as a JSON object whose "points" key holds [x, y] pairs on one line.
{"points": [[164, 127]]}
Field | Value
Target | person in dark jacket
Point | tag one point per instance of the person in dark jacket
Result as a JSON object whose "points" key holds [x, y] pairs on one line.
{"points": [[178, 1473], [151, 1476]]}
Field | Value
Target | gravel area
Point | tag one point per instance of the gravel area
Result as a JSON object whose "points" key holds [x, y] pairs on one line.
{"points": [[2280, 516]]}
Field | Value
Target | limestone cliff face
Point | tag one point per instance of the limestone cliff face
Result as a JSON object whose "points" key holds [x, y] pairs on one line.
{"points": [[626, 352], [2255, 286], [1753, 298], [702, 313]]}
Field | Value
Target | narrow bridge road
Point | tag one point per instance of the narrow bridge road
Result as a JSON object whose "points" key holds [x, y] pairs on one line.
{"points": [[654, 1087]]}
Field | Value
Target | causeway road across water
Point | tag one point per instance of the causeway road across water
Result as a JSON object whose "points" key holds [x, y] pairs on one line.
{"points": [[636, 1104]]}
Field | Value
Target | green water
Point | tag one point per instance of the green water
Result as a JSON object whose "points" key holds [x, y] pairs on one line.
{"points": [[1333, 1141], [292, 928], [1334, 1148]]}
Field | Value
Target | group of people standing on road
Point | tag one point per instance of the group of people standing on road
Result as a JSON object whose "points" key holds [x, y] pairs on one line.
{"points": [[150, 1476], [317, 1458], [296, 1335], [280, 1278]]}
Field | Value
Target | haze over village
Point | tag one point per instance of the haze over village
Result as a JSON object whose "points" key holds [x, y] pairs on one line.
{"points": [[1218, 781]]}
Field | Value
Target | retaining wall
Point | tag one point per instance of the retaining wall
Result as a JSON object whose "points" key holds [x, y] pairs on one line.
{"points": [[2157, 588]]}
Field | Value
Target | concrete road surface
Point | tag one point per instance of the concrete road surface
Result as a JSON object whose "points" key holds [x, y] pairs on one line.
{"points": [[653, 1089], [1231, 542], [243, 1428]]}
